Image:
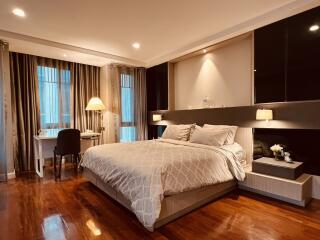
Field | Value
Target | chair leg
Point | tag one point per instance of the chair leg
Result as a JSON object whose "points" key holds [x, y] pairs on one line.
{"points": [[60, 166], [75, 161], [54, 166]]}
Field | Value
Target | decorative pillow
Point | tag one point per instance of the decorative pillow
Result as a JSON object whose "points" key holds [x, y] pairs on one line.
{"points": [[208, 136], [177, 132], [193, 128], [232, 130]]}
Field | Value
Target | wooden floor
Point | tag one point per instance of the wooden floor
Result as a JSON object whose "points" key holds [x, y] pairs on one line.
{"points": [[31, 208]]}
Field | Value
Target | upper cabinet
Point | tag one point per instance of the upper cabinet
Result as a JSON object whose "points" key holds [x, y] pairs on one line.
{"points": [[286, 59], [303, 70], [157, 87], [269, 62]]}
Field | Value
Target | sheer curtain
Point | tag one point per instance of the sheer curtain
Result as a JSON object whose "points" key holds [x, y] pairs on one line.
{"points": [[129, 103], [54, 91]]}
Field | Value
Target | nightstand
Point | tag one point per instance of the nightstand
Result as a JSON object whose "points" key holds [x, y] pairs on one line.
{"points": [[296, 191]]}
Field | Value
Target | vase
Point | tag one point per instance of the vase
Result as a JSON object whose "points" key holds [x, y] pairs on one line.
{"points": [[278, 156]]}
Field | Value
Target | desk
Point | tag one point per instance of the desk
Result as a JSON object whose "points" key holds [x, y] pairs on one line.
{"points": [[45, 144]]}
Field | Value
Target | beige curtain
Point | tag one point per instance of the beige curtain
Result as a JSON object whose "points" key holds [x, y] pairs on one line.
{"points": [[85, 84], [25, 108], [140, 103], [5, 116], [139, 100], [115, 117]]}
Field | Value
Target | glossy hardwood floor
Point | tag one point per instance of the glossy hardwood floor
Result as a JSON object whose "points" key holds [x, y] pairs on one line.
{"points": [[73, 208]]}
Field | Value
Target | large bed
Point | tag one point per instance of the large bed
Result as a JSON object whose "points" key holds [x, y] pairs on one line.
{"points": [[160, 180]]}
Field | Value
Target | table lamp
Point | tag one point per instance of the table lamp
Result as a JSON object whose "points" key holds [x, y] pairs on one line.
{"points": [[95, 104]]}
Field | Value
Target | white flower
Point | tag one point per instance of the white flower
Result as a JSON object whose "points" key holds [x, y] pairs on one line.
{"points": [[276, 148]]}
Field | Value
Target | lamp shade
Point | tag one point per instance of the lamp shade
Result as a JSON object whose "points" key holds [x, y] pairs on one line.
{"points": [[95, 104], [264, 114], [156, 117]]}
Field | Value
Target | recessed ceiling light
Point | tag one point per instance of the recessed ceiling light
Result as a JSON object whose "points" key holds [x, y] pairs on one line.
{"points": [[136, 45], [64, 55], [204, 50], [314, 28], [18, 12]]}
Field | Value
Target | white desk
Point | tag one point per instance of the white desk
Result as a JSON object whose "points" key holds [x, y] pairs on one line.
{"points": [[45, 144]]}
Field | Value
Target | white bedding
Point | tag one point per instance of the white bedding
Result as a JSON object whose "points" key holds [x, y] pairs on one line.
{"points": [[144, 172]]}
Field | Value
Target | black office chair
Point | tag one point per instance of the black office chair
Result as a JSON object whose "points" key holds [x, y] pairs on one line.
{"points": [[68, 143]]}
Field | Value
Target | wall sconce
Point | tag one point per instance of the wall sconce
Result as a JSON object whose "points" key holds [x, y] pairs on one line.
{"points": [[264, 114], [156, 117]]}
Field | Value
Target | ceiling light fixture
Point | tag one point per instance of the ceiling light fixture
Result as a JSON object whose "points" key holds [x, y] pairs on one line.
{"points": [[18, 12], [314, 28], [136, 45]]}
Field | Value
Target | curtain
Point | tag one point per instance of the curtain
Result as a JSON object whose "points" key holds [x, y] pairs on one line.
{"points": [[129, 103], [4, 74], [25, 108], [116, 102], [54, 91], [65, 89], [85, 84], [140, 104]]}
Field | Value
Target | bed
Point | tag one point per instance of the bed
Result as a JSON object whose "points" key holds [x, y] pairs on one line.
{"points": [[161, 180]]}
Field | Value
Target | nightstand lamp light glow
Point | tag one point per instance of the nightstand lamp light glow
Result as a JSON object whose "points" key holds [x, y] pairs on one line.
{"points": [[264, 114], [156, 117]]}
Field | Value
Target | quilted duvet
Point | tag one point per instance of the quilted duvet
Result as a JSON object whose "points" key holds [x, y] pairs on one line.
{"points": [[145, 171]]}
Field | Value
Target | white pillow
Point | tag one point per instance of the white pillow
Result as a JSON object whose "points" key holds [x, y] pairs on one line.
{"points": [[193, 128], [208, 136], [177, 132], [232, 130]]}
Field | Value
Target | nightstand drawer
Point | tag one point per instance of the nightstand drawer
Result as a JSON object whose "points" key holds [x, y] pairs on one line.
{"points": [[294, 191]]}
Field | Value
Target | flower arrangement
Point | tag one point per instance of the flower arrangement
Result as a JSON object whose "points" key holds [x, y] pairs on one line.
{"points": [[277, 150]]}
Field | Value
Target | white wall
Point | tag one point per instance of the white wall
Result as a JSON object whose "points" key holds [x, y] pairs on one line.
{"points": [[223, 75]]}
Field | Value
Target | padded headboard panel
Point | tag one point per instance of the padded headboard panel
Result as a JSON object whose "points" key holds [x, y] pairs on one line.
{"points": [[244, 137]]}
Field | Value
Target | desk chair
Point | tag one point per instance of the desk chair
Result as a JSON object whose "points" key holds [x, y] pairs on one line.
{"points": [[68, 143]]}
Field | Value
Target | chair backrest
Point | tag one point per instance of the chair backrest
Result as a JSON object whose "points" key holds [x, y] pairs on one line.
{"points": [[68, 141]]}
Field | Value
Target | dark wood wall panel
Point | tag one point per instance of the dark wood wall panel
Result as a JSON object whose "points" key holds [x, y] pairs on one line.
{"points": [[290, 115]]}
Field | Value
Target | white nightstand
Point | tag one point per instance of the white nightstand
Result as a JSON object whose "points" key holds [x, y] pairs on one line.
{"points": [[297, 191]]}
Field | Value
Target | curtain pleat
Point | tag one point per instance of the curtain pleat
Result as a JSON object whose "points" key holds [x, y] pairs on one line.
{"points": [[116, 100], [85, 84], [25, 108], [140, 104]]}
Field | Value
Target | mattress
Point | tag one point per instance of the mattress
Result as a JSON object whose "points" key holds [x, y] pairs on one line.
{"points": [[146, 172]]}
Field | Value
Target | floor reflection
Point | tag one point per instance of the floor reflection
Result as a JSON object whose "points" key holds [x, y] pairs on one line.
{"points": [[93, 228], [53, 227]]}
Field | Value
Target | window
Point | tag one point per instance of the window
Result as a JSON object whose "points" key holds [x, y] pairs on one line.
{"points": [[54, 92], [127, 129]]}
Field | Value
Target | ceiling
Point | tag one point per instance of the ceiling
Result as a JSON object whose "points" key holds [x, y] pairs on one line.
{"points": [[102, 31]]}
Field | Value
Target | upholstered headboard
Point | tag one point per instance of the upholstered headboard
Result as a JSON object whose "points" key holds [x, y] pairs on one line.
{"points": [[244, 137]]}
